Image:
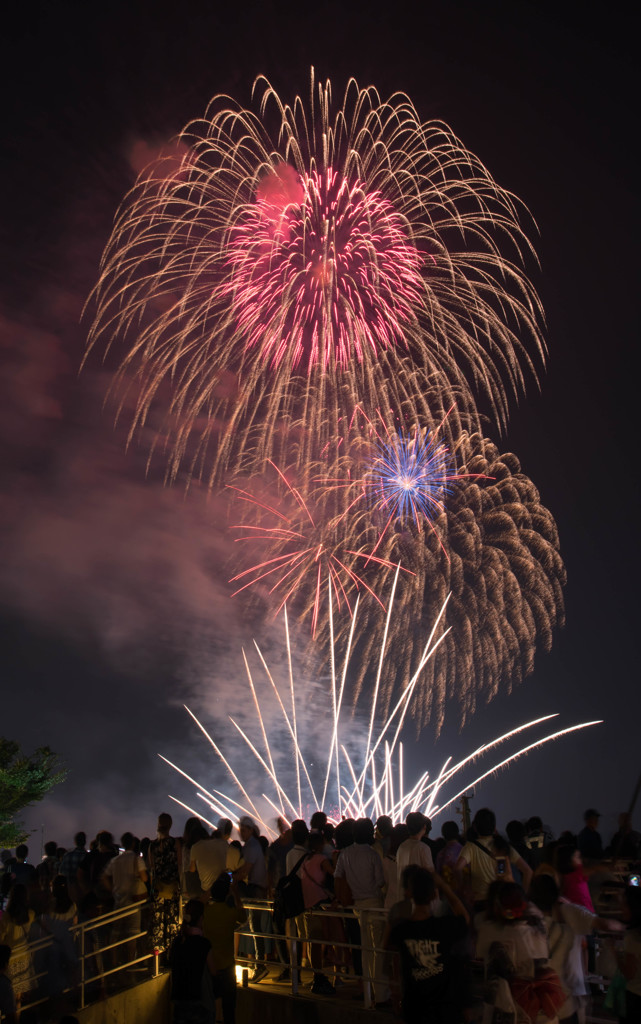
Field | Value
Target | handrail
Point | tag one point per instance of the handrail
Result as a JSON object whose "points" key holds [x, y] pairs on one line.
{"points": [[79, 934], [340, 912], [88, 945]]}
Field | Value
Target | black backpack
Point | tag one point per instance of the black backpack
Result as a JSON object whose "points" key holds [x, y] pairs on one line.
{"points": [[288, 896]]}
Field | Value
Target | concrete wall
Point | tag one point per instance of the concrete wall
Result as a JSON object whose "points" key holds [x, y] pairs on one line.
{"points": [[147, 1003], [264, 1004]]}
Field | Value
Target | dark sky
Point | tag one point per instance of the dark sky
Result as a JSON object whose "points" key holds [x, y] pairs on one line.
{"points": [[115, 608]]}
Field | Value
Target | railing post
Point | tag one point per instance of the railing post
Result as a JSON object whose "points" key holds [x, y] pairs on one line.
{"points": [[82, 966], [294, 957]]}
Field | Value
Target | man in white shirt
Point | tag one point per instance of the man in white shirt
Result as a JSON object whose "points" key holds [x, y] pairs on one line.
{"points": [[126, 876], [209, 858], [362, 869], [412, 850], [483, 856]]}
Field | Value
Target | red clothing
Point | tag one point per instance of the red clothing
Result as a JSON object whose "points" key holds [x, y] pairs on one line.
{"points": [[574, 888]]}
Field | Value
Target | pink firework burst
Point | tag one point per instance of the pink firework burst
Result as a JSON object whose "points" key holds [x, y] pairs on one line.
{"points": [[322, 271]]}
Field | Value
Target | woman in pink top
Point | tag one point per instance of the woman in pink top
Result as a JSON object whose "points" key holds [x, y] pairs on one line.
{"points": [[313, 873], [574, 880]]}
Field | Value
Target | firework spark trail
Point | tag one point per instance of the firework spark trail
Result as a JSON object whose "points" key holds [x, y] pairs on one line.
{"points": [[193, 812], [485, 747], [381, 659], [309, 548], [519, 753], [302, 259], [377, 786], [292, 725], [261, 760], [272, 770], [403, 702], [222, 758], [339, 703]]}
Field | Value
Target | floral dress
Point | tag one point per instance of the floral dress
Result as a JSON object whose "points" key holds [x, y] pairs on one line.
{"points": [[163, 861], [20, 969]]}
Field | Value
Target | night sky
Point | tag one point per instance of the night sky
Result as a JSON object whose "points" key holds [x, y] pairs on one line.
{"points": [[114, 601]]}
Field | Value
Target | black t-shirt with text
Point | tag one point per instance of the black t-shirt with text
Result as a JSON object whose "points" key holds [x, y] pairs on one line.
{"points": [[430, 973]]}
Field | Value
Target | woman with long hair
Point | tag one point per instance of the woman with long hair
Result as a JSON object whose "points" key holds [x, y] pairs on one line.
{"points": [[15, 929], [189, 880], [163, 858]]}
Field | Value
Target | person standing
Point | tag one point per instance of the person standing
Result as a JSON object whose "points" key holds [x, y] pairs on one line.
{"points": [[413, 851], [567, 924], [91, 871], [362, 869], [7, 999], [15, 931], [487, 859], [192, 965], [447, 857], [126, 876], [70, 864], [430, 975], [208, 858], [256, 889], [589, 838], [163, 859], [630, 957], [219, 924]]}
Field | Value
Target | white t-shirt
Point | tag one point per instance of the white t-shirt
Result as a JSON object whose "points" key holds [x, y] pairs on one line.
{"points": [[363, 870], [483, 865], [525, 943], [412, 851], [126, 871], [211, 860], [293, 857]]}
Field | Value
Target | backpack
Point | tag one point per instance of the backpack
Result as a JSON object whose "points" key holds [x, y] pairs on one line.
{"points": [[288, 896]]}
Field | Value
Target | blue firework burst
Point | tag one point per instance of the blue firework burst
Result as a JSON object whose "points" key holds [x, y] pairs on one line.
{"points": [[411, 476]]}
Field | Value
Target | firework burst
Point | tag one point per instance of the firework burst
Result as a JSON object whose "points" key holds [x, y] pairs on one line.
{"points": [[495, 548], [301, 259], [410, 477], [328, 278], [304, 548]]}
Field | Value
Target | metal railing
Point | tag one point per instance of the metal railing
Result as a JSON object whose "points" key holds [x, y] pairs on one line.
{"points": [[295, 941], [98, 943], [95, 942]]}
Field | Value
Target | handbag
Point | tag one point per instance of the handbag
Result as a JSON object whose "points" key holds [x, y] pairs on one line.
{"points": [[288, 895]]}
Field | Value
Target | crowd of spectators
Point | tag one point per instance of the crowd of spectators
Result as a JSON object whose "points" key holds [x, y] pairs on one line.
{"points": [[385, 904]]}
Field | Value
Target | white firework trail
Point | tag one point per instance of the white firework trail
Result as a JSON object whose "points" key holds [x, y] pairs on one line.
{"points": [[377, 783]]}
